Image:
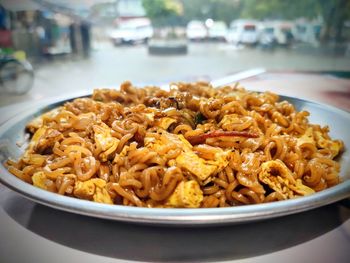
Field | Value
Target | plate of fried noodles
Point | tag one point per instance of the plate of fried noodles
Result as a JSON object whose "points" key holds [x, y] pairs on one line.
{"points": [[191, 154]]}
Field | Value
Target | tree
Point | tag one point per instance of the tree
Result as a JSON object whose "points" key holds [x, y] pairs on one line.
{"points": [[163, 12], [276, 9], [334, 12], [226, 10]]}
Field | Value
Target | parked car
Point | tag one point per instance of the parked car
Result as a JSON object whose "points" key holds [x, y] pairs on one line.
{"points": [[196, 30], [218, 30], [243, 32], [132, 31], [267, 39], [307, 32], [283, 32]]}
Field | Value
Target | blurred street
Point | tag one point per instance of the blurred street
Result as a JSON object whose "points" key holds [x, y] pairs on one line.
{"points": [[108, 66]]}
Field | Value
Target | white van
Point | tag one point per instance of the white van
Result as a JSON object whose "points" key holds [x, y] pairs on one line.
{"points": [[282, 32], [218, 30], [307, 32], [138, 30], [196, 30], [243, 32]]}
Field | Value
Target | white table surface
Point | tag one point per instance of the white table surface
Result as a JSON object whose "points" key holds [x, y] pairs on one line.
{"points": [[31, 232]]}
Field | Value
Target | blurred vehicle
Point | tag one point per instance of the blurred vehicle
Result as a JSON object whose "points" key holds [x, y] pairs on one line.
{"points": [[196, 30], [283, 32], [133, 31], [243, 32], [267, 39], [16, 73], [307, 32], [218, 30]]}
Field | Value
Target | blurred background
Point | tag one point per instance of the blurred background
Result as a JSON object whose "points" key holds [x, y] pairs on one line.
{"points": [[54, 47]]}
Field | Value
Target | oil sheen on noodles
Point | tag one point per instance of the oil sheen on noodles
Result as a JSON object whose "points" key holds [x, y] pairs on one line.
{"points": [[193, 146]]}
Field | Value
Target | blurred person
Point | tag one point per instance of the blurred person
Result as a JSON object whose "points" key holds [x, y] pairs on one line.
{"points": [[41, 34], [85, 38], [72, 38]]}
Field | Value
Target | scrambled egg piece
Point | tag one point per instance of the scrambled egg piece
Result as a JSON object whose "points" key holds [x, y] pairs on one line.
{"points": [[84, 190], [164, 122], [196, 165], [101, 196], [84, 120], [279, 178], [104, 140], [334, 146], [186, 194], [34, 159], [302, 189], [150, 116], [188, 159], [36, 123], [93, 189], [43, 138], [316, 138], [307, 137], [39, 180], [200, 167], [165, 140], [36, 137]]}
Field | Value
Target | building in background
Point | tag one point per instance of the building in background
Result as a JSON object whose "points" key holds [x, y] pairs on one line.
{"points": [[45, 28], [130, 9]]}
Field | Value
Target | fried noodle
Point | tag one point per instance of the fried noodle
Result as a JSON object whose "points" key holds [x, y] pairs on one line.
{"points": [[192, 146]]}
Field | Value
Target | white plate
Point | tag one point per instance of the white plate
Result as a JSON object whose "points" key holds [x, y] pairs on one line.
{"points": [[338, 121]]}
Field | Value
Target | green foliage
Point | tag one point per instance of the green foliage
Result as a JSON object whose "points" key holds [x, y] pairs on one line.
{"points": [[163, 12], [277, 9], [175, 12], [225, 10]]}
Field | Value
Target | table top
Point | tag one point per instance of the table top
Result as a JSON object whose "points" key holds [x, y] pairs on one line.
{"points": [[35, 233]]}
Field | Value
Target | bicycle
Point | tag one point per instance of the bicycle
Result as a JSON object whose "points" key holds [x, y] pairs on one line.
{"points": [[16, 73]]}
